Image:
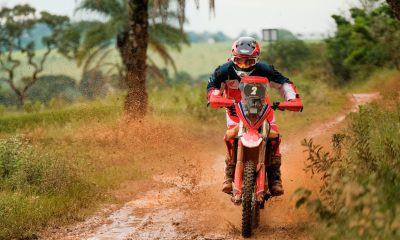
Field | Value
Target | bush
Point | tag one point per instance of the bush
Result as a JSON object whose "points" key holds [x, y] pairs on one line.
{"points": [[182, 99], [93, 84], [53, 86], [289, 55], [2, 109], [361, 179], [21, 167], [57, 103], [35, 188], [31, 107]]}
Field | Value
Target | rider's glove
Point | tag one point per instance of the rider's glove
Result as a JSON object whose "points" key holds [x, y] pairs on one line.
{"points": [[215, 92], [216, 100]]}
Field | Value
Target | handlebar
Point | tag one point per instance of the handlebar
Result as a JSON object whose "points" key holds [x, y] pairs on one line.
{"points": [[219, 101], [294, 105]]}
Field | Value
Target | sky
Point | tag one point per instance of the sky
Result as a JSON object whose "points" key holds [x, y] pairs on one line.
{"points": [[234, 16]]}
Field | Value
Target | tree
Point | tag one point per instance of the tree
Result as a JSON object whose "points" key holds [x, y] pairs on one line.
{"points": [[289, 55], [15, 24], [134, 38], [93, 84], [395, 5], [48, 87], [99, 35], [369, 39], [135, 46]]}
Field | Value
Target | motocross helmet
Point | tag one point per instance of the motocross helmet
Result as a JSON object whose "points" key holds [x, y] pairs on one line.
{"points": [[245, 54]]}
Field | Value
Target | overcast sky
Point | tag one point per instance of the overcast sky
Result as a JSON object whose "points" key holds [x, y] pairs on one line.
{"points": [[233, 16]]}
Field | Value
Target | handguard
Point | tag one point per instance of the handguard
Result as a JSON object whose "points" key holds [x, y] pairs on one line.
{"points": [[295, 105], [217, 101]]}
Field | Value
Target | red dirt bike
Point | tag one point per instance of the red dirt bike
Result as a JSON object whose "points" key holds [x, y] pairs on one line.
{"points": [[252, 148]]}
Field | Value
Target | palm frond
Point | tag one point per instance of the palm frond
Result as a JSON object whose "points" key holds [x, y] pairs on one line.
{"points": [[167, 35], [87, 56], [105, 53], [155, 73], [98, 33], [162, 51], [108, 8]]}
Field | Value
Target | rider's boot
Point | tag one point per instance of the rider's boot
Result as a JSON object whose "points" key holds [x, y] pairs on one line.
{"points": [[229, 175], [274, 170], [229, 164], [274, 177]]}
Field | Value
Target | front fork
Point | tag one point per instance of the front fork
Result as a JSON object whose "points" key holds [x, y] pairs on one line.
{"points": [[260, 181], [239, 170]]}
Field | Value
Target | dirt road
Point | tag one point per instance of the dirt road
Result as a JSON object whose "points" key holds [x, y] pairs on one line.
{"points": [[186, 202]]}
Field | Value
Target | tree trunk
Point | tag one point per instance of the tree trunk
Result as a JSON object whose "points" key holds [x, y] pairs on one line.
{"points": [[21, 100], [134, 55], [395, 6]]}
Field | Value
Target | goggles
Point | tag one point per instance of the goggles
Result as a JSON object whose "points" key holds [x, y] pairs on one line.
{"points": [[244, 62]]}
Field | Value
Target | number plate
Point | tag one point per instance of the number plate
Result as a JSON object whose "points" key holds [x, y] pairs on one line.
{"points": [[252, 90]]}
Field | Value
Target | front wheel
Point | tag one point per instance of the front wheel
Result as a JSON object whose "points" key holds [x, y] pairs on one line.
{"points": [[248, 201]]}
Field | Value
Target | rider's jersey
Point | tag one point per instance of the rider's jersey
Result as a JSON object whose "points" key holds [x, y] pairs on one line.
{"points": [[226, 74]]}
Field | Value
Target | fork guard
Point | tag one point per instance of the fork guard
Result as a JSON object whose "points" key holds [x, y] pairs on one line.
{"points": [[239, 170]]}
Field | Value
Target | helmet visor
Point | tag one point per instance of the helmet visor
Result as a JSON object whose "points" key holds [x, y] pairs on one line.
{"points": [[244, 62]]}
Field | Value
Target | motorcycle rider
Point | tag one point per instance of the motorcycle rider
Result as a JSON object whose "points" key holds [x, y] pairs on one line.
{"points": [[225, 80]]}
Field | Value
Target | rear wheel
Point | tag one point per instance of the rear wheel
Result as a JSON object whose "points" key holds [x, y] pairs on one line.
{"points": [[249, 201]]}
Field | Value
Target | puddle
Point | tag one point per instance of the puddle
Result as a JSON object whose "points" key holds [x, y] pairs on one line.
{"points": [[149, 217]]}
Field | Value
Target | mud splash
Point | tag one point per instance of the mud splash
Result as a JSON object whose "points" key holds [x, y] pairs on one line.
{"points": [[152, 216], [158, 214]]}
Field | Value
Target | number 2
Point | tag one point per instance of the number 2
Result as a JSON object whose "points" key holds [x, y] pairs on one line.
{"points": [[254, 90]]}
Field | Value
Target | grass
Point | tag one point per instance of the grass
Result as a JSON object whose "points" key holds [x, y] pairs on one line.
{"points": [[37, 187], [321, 103], [382, 81], [199, 59], [11, 124]]}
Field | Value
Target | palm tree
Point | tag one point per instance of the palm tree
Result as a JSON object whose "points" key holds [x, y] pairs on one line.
{"points": [[134, 39], [99, 35]]}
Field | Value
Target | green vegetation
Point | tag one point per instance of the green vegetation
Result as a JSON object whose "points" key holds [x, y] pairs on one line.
{"points": [[290, 56], [286, 35], [36, 187], [367, 41], [12, 123], [16, 24], [57, 175], [53, 86], [361, 179]]}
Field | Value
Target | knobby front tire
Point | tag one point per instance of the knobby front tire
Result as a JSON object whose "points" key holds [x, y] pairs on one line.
{"points": [[248, 200]]}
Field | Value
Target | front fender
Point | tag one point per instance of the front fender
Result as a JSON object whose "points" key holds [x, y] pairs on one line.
{"points": [[251, 139]]}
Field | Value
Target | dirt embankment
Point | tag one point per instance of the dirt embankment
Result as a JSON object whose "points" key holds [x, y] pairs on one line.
{"points": [[183, 199]]}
